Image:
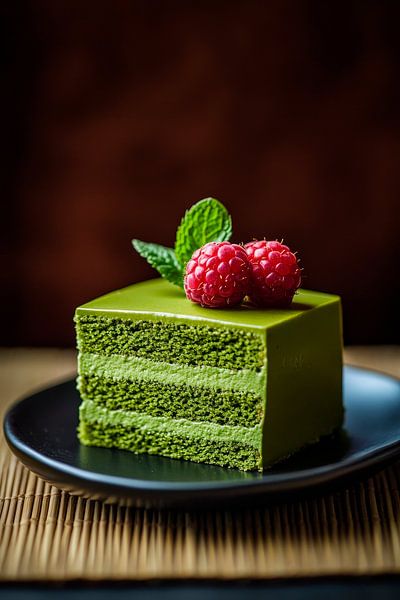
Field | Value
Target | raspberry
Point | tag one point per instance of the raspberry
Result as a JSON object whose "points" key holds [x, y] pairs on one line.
{"points": [[217, 275], [275, 276]]}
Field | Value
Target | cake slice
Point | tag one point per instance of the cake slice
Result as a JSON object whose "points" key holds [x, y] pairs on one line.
{"points": [[240, 387]]}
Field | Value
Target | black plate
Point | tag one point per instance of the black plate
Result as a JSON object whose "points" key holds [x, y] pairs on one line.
{"points": [[41, 431]]}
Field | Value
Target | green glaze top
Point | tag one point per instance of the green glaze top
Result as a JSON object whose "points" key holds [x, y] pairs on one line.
{"points": [[157, 299]]}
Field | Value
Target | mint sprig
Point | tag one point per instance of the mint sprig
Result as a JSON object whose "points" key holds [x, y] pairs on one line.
{"points": [[161, 258], [206, 221]]}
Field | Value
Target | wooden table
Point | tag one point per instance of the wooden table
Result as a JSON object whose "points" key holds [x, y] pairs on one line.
{"points": [[47, 534]]}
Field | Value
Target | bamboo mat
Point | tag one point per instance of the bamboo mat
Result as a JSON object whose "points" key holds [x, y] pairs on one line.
{"points": [[46, 534]]}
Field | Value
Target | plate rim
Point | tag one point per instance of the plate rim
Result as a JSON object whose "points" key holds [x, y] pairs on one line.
{"points": [[131, 487]]}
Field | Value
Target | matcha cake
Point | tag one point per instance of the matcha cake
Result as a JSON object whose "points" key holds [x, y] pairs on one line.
{"points": [[239, 387]]}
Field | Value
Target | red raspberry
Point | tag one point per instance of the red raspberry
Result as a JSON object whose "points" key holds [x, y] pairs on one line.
{"points": [[217, 275], [276, 274]]}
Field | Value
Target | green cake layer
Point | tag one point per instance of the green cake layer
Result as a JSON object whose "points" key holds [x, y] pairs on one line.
{"points": [[170, 342], [176, 438], [225, 407], [147, 441], [240, 387], [199, 393]]}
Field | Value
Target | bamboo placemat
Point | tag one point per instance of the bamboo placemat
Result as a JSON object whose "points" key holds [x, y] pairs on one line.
{"points": [[46, 534]]}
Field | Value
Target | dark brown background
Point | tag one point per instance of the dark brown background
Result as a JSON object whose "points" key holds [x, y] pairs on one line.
{"points": [[119, 115]]}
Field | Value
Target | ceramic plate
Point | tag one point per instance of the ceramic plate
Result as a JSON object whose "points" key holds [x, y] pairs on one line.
{"points": [[41, 431]]}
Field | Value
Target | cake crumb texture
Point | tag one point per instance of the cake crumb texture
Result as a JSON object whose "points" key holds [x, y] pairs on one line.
{"points": [[143, 440], [170, 342], [225, 407]]}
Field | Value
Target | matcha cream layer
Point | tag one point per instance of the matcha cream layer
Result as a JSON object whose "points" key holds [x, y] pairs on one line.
{"points": [[241, 387]]}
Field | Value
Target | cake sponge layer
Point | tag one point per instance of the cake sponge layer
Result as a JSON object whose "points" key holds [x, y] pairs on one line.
{"points": [[222, 406], [223, 445], [170, 444], [170, 342]]}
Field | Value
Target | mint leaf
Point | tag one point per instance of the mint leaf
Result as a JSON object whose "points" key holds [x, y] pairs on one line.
{"points": [[161, 258], [206, 221]]}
